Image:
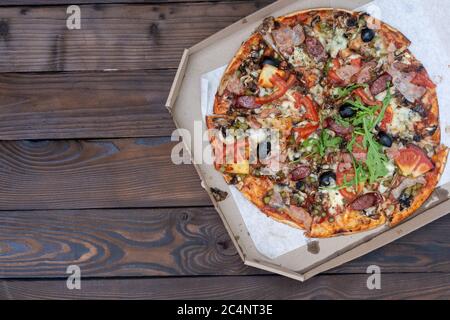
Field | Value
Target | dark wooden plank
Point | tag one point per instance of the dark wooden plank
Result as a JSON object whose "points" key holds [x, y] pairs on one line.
{"points": [[394, 286], [95, 174], [106, 243], [69, 2], [85, 105], [112, 36], [170, 242]]}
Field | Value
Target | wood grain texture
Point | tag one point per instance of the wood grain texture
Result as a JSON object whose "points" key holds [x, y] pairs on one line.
{"points": [[95, 174], [100, 2], [394, 286], [107, 243], [85, 105], [170, 242], [112, 36]]}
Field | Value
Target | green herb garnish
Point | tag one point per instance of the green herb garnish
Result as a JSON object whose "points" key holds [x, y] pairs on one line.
{"points": [[344, 92], [323, 143]]}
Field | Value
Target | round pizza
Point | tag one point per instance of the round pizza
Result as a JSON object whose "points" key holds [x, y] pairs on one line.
{"points": [[326, 121]]}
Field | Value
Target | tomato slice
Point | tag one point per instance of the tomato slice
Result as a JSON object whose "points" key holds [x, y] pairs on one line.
{"points": [[388, 117], [336, 63], [356, 62], [334, 78], [306, 131], [311, 110], [281, 85], [366, 99], [344, 175], [422, 79], [413, 161]]}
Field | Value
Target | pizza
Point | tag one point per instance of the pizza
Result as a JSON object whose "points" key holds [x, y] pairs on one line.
{"points": [[326, 121]]}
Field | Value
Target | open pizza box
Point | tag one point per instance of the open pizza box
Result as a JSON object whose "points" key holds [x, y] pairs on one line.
{"points": [[260, 241]]}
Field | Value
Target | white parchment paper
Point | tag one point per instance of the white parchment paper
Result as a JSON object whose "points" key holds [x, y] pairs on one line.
{"points": [[424, 23]]}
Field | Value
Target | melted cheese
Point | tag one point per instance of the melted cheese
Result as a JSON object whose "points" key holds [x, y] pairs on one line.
{"points": [[300, 58], [317, 93], [338, 43], [334, 199], [403, 122]]}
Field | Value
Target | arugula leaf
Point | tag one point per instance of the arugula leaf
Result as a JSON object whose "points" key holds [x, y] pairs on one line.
{"points": [[344, 92], [323, 143], [364, 124], [386, 103]]}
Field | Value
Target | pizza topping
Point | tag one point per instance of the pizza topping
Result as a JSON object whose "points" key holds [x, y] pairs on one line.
{"points": [[380, 84], [327, 179], [366, 201], [365, 74], [305, 131], [422, 79], [271, 61], [403, 83], [408, 195], [359, 152], [347, 111], [346, 73], [287, 38], [235, 86], [300, 173], [300, 215], [413, 161], [385, 139], [266, 77], [316, 49], [340, 130], [338, 43], [311, 110], [248, 102], [282, 87], [405, 184], [367, 35], [366, 98]]}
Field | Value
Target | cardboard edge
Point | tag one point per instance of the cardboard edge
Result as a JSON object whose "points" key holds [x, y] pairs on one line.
{"points": [[386, 237], [283, 272], [176, 85]]}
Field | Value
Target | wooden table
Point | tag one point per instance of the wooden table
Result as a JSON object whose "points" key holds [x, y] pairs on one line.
{"points": [[86, 177]]}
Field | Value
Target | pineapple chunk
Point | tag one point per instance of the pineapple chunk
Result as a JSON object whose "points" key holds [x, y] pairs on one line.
{"points": [[266, 75]]}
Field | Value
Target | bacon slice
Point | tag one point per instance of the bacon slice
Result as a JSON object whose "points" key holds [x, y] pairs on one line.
{"points": [[300, 215], [403, 82]]}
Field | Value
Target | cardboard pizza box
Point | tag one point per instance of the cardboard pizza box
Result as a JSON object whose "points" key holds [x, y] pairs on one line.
{"points": [[184, 103]]}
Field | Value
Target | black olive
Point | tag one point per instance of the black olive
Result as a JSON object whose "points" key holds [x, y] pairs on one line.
{"points": [[351, 22], [405, 201], [417, 137], [264, 150], [385, 139], [224, 132], [300, 185], [272, 62], [367, 35], [326, 179], [347, 111]]}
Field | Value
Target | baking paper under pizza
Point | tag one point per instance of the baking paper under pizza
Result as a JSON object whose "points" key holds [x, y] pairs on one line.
{"points": [[327, 122]]}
